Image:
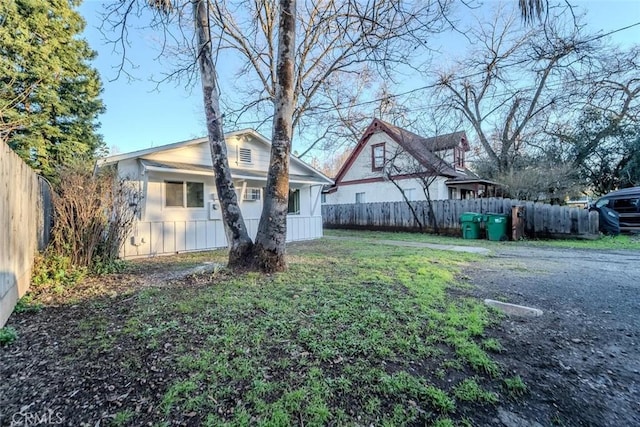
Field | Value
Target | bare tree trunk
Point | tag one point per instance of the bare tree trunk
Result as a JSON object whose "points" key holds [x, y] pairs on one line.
{"points": [[432, 213], [240, 245], [269, 248], [416, 217]]}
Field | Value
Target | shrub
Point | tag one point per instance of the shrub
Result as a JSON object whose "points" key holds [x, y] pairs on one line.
{"points": [[93, 216], [7, 335]]}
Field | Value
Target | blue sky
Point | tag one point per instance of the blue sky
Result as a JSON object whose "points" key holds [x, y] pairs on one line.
{"points": [[140, 114]]}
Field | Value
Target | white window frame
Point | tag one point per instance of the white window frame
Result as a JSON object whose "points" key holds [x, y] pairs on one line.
{"points": [[361, 197], [378, 159], [252, 194], [296, 194]]}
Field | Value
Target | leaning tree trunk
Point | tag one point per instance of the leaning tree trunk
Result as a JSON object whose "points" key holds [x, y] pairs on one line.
{"points": [[269, 248], [240, 245]]}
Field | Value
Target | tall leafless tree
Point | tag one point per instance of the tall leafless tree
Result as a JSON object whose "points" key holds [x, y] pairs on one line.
{"points": [[269, 248], [515, 82], [338, 38], [342, 45], [240, 244]]}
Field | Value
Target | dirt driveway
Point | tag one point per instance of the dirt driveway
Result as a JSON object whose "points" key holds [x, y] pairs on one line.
{"points": [[581, 359]]}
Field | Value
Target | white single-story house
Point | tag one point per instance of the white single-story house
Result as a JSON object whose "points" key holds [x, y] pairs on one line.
{"points": [[387, 157], [179, 207]]}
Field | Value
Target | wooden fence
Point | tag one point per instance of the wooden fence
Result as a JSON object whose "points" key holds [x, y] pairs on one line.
{"points": [[25, 221], [540, 220]]}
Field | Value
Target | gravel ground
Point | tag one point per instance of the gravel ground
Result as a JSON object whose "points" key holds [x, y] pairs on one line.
{"points": [[581, 358]]}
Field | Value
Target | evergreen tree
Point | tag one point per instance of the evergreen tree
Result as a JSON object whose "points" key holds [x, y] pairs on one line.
{"points": [[49, 93]]}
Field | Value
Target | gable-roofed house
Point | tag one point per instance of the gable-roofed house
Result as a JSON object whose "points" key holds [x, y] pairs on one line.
{"points": [[389, 161], [179, 208]]}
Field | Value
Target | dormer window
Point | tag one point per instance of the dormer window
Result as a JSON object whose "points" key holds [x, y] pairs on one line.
{"points": [[458, 157], [377, 157], [244, 155]]}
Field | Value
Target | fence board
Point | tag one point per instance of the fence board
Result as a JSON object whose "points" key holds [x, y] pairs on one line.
{"points": [[26, 213]]}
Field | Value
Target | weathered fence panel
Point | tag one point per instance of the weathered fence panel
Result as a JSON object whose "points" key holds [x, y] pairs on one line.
{"points": [[541, 220], [25, 221]]}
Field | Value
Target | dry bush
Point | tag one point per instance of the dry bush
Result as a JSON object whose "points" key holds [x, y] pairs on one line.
{"points": [[93, 215], [545, 183]]}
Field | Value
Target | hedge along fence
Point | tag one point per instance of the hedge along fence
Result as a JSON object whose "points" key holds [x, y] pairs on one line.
{"points": [[540, 220], [25, 226]]}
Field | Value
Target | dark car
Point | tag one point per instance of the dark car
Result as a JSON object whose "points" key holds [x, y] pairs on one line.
{"points": [[626, 203]]}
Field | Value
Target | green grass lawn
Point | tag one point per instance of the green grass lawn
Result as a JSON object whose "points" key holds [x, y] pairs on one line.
{"points": [[630, 242], [352, 334]]}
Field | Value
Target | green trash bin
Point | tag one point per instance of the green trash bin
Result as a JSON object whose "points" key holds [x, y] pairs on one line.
{"points": [[497, 225], [470, 223]]}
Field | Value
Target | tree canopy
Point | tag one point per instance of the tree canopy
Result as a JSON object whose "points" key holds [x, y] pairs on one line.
{"points": [[49, 93], [551, 107]]}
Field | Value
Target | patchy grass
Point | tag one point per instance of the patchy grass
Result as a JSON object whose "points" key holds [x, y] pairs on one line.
{"points": [[122, 418], [621, 242], [626, 242], [410, 237], [351, 334], [469, 390], [515, 386]]}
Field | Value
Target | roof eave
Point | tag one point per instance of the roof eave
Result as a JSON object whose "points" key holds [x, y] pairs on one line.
{"points": [[140, 153]]}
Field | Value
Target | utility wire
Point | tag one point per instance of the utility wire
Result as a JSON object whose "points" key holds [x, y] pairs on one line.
{"points": [[324, 110]]}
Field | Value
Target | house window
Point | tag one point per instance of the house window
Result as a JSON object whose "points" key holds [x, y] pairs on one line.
{"points": [[294, 202], [323, 198], [173, 194], [195, 194], [360, 198], [244, 155], [377, 157], [458, 157], [251, 194], [180, 194]]}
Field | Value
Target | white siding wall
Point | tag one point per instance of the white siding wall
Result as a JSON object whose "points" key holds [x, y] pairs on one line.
{"points": [[197, 154], [361, 167], [129, 169], [170, 237], [387, 191], [259, 153], [166, 230]]}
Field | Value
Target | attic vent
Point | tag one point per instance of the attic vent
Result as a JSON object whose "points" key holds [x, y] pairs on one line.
{"points": [[251, 194], [244, 155]]}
